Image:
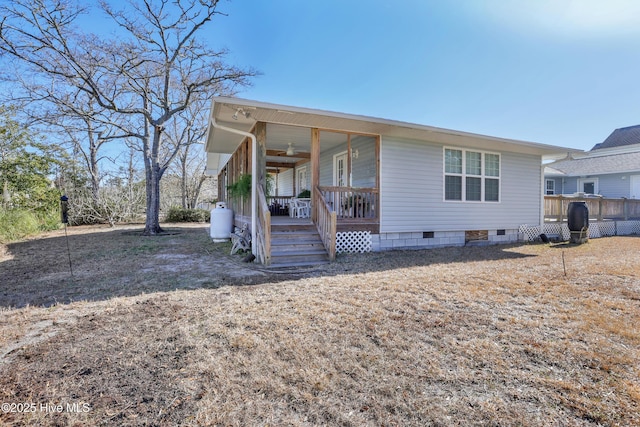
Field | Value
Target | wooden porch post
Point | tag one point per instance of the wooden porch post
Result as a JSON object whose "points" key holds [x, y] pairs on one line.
{"points": [[315, 166], [261, 138], [377, 205], [348, 183]]}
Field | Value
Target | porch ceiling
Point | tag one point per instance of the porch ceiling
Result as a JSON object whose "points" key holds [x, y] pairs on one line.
{"points": [[286, 124]]}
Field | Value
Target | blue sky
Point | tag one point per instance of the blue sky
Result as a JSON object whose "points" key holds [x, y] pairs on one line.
{"points": [[562, 72]]}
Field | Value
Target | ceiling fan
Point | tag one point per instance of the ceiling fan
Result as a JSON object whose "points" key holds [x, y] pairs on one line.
{"points": [[290, 151]]}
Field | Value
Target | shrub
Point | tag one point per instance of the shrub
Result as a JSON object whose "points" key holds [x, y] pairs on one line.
{"points": [[16, 224], [49, 221], [178, 214]]}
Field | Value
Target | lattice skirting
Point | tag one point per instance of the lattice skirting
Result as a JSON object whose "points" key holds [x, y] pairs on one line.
{"points": [[353, 241], [596, 229], [628, 227]]}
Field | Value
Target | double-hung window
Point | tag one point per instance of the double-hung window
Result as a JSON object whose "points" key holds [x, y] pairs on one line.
{"points": [[471, 176]]}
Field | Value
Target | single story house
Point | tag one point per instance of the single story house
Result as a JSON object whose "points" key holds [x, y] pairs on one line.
{"points": [[611, 169], [372, 184]]}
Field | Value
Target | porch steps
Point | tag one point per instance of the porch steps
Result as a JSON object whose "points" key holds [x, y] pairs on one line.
{"points": [[296, 245]]}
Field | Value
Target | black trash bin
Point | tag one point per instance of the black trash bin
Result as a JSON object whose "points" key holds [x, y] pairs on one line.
{"points": [[578, 222]]}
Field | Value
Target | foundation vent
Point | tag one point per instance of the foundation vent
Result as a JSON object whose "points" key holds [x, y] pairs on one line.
{"points": [[475, 235]]}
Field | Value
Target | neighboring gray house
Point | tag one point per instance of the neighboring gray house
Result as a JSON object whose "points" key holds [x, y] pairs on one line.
{"points": [[375, 184], [611, 169]]}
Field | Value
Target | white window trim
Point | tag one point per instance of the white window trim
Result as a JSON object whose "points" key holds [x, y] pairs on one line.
{"points": [[464, 175], [633, 182], [301, 185], [335, 167], [546, 187], [582, 181]]}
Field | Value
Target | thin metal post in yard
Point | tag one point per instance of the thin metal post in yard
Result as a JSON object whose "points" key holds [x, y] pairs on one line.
{"points": [[64, 218], [68, 249]]}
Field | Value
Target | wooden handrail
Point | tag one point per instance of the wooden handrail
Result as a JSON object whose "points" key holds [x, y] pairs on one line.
{"points": [[352, 202], [326, 221]]}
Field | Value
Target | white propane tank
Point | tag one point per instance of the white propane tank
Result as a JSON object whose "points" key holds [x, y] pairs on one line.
{"points": [[221, 223]]}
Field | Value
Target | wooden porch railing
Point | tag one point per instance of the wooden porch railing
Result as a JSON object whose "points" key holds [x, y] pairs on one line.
{"points": [[600, 208], [326, 221], [279, 205], [350, 202], [263, 234]]}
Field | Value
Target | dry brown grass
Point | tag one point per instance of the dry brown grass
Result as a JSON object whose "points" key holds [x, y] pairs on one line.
{"points": [[458, 336]]}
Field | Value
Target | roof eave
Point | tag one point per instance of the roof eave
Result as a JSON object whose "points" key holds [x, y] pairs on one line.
{"points": [[300, 116]]}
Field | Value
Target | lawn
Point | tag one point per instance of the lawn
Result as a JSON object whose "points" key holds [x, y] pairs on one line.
{"points": [[173, 331]]}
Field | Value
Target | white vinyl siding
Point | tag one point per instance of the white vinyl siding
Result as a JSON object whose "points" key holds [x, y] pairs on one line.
{"points": [[615, 185], [284, 183], [363, 167], [471, 176], [412, 183], [611, 185]]}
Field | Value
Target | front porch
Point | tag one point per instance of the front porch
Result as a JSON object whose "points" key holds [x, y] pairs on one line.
{"points": [[336, 172]]}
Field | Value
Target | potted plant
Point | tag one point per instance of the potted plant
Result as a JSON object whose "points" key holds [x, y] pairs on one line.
{"points": [[304, 194], [240, 188]]}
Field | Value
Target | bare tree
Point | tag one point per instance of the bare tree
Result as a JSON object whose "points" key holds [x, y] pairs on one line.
{"points": [[185, 135], [153, 71]]}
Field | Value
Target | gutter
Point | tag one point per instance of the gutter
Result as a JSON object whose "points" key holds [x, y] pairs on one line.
{"points": [[543, 190], [254, 174]]}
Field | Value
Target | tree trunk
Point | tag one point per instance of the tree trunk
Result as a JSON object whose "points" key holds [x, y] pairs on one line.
{"points": [[153, 175], [183, 164], [95, 175], [152, 223], [196, 191]]}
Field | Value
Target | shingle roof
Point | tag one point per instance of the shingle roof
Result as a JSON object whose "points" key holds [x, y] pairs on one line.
{"points": [[615, 163], [620, 137]]}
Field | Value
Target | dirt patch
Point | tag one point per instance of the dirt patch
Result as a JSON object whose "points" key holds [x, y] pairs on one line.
{"points": [[110, 262], [458, 336]]}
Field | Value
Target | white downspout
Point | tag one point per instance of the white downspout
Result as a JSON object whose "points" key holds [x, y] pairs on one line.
{"points": [[254, 174], [543, 191]]}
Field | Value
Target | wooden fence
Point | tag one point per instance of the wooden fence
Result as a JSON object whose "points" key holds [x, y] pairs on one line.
{"points": [[600, 208]]}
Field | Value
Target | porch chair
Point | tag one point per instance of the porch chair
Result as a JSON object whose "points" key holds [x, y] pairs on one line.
{"points": [[301, 209], [241, 239]]}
